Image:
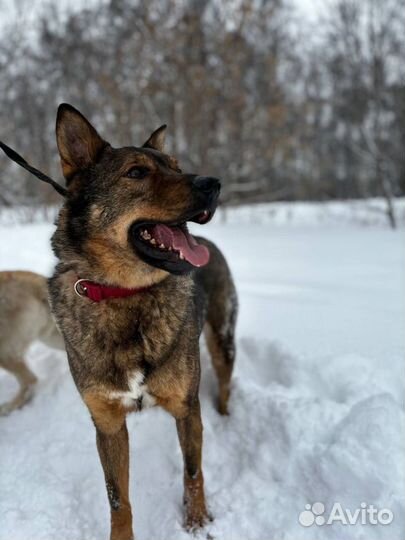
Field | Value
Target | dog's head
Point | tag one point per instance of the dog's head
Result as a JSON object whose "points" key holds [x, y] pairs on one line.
{"points": [[127, 208]]}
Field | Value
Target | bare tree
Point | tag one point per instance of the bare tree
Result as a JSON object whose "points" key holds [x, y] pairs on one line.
{"points": [[250, 94]]}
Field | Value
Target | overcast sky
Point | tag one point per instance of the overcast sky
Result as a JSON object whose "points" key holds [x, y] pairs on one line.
{"points": [[27, 9]]}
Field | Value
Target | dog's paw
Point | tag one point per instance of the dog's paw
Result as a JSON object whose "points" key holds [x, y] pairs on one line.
{"points": [[196, 519], [222, 408], [5, 409]]}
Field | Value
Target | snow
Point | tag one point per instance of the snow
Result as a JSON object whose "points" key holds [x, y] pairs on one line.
{"points": [[365, 212], [316, 407]]}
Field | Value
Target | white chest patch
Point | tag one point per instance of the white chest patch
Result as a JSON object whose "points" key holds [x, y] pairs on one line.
{"points": [[137, 393]]}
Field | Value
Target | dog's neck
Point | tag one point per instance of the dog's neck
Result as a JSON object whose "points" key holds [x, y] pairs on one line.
{"points": [[145, 324], [97, 292]]}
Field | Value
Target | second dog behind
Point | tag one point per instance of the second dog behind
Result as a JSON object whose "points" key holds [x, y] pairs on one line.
{"points": [[24, 317]]}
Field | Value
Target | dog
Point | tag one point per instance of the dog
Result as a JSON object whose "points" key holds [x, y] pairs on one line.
{"points": [[25, 316], [131, 293]]}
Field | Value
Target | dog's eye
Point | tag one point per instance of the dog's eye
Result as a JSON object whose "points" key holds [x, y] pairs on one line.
{"points": [[137, 172]]}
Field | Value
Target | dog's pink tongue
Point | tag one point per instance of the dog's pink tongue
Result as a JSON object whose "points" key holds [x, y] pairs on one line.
{"points": [[181, 240]]}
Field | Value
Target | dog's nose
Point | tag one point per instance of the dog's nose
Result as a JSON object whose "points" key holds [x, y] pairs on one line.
{"points": [[207, 184]]}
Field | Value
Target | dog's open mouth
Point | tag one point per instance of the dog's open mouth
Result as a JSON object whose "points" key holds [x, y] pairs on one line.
{"points": [[170, 245], [177, 240]]}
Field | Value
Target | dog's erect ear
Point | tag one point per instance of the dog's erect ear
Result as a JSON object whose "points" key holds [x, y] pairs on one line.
{"points": [[78, 142], [157, 139]]}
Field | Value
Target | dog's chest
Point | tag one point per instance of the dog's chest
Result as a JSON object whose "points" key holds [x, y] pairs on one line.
{"points": [[138, 394]]}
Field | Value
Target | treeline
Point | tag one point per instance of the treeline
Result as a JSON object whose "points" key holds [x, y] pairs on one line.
{"points": [[276, 107]]}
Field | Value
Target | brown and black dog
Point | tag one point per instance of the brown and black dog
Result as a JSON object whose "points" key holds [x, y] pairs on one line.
{"points": [[135, 343]]}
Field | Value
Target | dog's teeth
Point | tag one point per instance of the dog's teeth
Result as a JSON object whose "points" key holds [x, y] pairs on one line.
{"points": [[162, 246], [170, 248], [153, 241], [145, 235], [181, 255]]}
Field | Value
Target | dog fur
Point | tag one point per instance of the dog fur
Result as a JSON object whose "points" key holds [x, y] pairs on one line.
{"points": [[129, 353], [25, 316]]}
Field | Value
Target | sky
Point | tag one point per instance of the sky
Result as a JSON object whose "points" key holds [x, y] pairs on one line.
{"points": [[27, 9], [10, 9]]}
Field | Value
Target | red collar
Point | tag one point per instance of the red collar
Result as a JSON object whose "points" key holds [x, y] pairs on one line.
{"points": [[97, 292]]}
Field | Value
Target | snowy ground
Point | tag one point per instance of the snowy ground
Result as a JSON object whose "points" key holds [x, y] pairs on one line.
{"points": [[316, 411]]}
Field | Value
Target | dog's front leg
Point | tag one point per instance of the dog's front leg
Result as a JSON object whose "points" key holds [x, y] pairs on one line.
{"points": [[189, 430], [113, 450]]}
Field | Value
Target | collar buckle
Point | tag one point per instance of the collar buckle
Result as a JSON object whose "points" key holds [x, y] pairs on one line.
{"points": [[80, 289]]}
